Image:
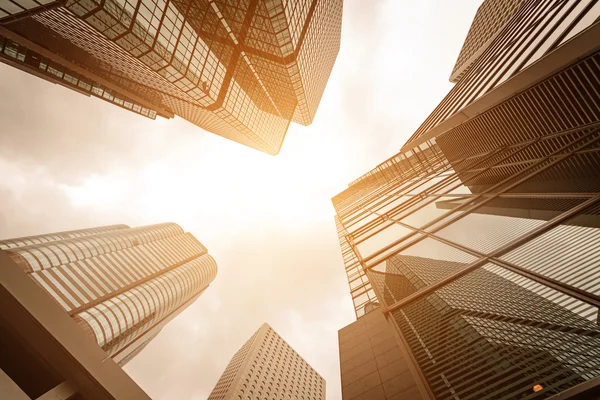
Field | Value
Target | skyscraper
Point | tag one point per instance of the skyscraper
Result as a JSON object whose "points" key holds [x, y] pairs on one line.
{"points": [[242, 70], [267, 368], [44, 354], [121, 285], [479, 240], [491, 17]]}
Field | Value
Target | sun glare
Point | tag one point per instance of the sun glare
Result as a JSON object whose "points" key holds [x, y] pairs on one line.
{"points": [[249, 188]]}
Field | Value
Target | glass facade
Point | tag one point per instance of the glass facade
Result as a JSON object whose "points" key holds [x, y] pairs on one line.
{"points": [[241, 69], [119, 284], [29, 61], [14, 9], [490, 19], [491, 333], [536, 30], [266, 367], [480, 240]]}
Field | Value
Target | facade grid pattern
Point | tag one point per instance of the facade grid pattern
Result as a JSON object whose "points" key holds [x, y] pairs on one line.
{"points": [[483, 253], [489, 20], [240, 69], [535, 31], [268, 368]]}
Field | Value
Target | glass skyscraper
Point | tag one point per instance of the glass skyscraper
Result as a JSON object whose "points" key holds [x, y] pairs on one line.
{"points": [[266, 367], [243, 69], [480, 240], [121, 285]]}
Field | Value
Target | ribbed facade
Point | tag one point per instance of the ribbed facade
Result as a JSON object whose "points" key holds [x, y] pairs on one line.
{"points": [[241, 69], [480, 239], [120, 284], [267, 368]]}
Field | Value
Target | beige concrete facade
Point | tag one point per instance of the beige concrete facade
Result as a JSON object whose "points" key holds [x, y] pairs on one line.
{"points": [[373, 364], [44, 354], [266, 367]]}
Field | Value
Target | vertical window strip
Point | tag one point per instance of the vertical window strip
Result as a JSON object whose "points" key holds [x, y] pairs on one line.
{"points": [[159, 253], [49, 289], [50, 258], [147, 264], [93, 245], [32, 260], [58, 290], [165, 249], [74, 249], [96, 326], [87, 271], [145, 308], [180, 284], [151, 299], [169, 249], [119, 264], [103, 323], [110, 320], [90, 290], [155, 256], [57, 255], [152, 261], [134, 306], [73, 284], [102, 274], [132, 257], [157, 286], [68, 253], [124, 313], [109, 273], [581, 95]]}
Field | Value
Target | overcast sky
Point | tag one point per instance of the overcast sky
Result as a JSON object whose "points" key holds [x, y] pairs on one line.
{"points": [[71, 162]]}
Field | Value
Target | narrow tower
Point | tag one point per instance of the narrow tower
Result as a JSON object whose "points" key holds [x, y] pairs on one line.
{"points": [[266, 367]]}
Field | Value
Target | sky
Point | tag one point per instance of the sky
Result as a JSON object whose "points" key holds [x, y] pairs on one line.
{"points": [[69, 162]]}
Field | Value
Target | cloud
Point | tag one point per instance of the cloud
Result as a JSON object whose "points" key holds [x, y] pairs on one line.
{"points": [[45, 124], [32, 202]]}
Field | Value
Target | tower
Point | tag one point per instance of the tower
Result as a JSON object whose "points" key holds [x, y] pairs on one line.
{"points": [[266, 367], [121, 285], [242, 70]]}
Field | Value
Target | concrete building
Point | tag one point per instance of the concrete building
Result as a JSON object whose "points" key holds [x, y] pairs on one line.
{"points": [[121, 285], [242, 70], [268, 368], [479, 240], [373, 363]]}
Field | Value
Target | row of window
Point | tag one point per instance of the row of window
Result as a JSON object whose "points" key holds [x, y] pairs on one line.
{"points": [[82, 282], [62, 252], [116, 320], [272, 370], [52, 237]]}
